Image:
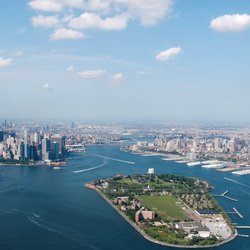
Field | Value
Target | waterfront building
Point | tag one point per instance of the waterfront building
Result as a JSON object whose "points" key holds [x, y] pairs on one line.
{"points": [[61, 143], [144, 215], [34, 154], [46, 147], [22, 151], [1, 136], [27, 152], [151, 171], [55, 150]]}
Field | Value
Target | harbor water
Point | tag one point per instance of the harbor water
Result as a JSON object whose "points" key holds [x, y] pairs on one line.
{"points": [[44, 208]]}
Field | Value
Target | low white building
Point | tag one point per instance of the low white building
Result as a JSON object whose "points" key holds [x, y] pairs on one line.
{"points": [[151, 171]]}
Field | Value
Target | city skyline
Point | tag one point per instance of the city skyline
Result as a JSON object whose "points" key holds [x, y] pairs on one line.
{"points": [[125, 60]]}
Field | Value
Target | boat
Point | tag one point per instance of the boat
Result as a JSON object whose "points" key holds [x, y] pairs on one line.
{"points": [[195, 163], [242, 172], [213, 166]]}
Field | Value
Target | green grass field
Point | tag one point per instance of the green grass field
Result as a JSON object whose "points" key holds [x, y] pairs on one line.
{"points": [[165, 206]]}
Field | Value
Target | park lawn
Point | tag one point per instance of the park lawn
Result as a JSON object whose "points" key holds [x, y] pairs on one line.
{"points": [[160, 184], [126, 184], [164, 206]]}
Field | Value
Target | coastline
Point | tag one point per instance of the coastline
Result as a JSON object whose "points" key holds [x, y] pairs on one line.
{"points": [[22, 165], [182, 159], [147, 237]]}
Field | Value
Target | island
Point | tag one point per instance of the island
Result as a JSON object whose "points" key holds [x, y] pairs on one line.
{"points": [[167, 209]]}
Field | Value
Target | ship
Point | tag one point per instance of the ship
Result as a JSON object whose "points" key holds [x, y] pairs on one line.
{"points": [[195, 163], [213, 166]]}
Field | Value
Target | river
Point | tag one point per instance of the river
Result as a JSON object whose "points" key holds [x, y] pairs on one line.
{"points": [[43, 208]]}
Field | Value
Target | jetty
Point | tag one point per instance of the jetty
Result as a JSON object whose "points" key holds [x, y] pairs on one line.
{"points": [[225, 196], [239, 214], [243, 235]]}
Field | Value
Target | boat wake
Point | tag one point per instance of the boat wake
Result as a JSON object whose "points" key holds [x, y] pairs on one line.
{"points": [[40, 225], [242, 184], [90, 169], [113, 159]]}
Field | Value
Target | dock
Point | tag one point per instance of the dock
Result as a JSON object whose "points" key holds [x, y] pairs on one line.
{"points": [[243, 227], [225, 196], [239, 214], [243, 235]]}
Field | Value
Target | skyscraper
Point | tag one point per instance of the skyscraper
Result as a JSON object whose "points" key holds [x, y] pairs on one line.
{"points": [[22, 151], [27, 152], [55, 150], [46, 147], [61, 143], [1, 136]]}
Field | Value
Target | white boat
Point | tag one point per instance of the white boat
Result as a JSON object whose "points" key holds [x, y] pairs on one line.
{"points": [[242, 172], [210, 162], [195, 163], [213, 166]]}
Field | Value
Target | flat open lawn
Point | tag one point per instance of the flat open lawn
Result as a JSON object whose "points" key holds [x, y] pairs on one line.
{"points": [[165, 206]]}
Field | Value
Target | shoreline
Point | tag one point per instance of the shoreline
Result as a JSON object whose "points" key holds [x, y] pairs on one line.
{"points": [[184, 160], [22, 165], [147, 237]]}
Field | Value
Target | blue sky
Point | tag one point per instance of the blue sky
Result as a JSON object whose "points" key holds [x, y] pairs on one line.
{"points": [[125, 60]]}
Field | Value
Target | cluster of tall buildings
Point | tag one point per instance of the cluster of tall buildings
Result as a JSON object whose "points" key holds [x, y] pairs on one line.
{"points": [[24, 146], [228, 149]]}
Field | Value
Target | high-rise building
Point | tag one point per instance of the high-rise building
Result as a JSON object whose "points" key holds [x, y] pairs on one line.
{"points": [[33, 153], [61, 143], [25, 136], [22, 151], [217, 143], [46, 147], [27, 152], [1, 136], [36, 138], [55, 150]]}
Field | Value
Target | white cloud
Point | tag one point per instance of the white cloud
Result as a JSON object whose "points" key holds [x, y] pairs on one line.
{"points": [[92, 73], [46, 5], [44, 21], [101, 14], [168, 54], [91, 20], [99, 5], [118, 76], [149, 12], [47, 87], [5, 62], [71, 68], [55, 5], [231, 23], [74, 3], [67, 34]]}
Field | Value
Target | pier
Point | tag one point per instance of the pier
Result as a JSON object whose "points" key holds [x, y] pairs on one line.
{"points": [[225, 196], [243, 235], [239, 214], [243, 227]]}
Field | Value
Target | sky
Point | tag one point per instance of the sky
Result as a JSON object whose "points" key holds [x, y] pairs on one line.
{"points": [[121, 60]]}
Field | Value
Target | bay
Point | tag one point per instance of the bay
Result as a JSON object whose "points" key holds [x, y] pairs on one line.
{"points": [[44, 208]]}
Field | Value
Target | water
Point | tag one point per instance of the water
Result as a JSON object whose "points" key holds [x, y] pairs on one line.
{"points": [[42, 208]]}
